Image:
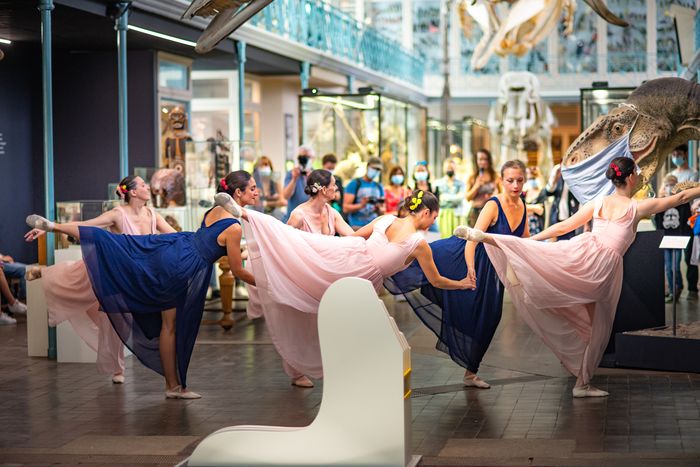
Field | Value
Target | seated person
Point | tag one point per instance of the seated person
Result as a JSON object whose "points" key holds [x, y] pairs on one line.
{"points": [[14, 270], [14, 305]]}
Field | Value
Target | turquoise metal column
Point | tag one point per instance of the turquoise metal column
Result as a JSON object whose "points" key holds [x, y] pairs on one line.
{"points": [[240, 47], [45, 6], [122, 23], [305, 74]]}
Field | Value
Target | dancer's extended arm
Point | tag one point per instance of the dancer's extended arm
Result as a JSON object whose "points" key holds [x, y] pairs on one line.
{"points": [[487, 216], [162, 225], [342, 227], [366, 231], [583, 215], [424, 255], [649, 207], [105, 220], [232, 236]]}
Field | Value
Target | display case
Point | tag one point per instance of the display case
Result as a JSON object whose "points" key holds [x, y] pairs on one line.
{"points": [[78, 211], [364, 125], [599, 101]]}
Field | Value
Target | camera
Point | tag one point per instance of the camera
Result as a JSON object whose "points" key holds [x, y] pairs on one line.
{"points": [[374, 200]]}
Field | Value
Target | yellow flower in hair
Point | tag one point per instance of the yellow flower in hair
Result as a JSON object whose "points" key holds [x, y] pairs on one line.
{"points": [[416, 200]]}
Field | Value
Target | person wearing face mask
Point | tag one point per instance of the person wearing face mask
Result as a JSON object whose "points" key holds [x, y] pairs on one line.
{"points": [[270, 199], [535, 197], [452, 199], [397, 190], [421, 180], [295, 180], [682, 172], [364, 197], [482, 185], [328, 163]]}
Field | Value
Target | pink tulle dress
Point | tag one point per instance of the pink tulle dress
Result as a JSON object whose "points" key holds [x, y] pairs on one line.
{"points": [[69, 297], [567, 291], [293, 269]]}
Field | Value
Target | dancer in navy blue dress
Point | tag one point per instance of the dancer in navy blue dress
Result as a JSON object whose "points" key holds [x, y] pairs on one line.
{"points": [[465, 320], [153, 287]]}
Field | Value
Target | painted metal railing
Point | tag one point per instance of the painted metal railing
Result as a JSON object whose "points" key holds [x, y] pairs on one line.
{"points": [[321, 26]]}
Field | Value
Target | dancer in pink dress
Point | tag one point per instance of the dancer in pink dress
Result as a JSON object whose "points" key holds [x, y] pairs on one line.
{"points": [[69, 295], [293, 268], [568, 291], [316, 216]]}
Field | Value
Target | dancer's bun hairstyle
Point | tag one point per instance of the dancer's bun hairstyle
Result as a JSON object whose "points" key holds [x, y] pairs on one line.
{"points": [[619, 169], [316, 180], [233, 181], [125, 186], [419, 200]]}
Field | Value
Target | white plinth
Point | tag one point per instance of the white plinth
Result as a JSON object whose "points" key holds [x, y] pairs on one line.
{"points": [[37, 320]]}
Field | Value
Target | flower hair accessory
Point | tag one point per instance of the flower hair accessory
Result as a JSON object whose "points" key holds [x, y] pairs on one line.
{"points": [[416, 200], [616, 169], [223, 184], [124, 189], [316, 187]]}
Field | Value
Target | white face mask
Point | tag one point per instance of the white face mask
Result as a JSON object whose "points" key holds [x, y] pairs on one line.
{"points": [[586, 180]]}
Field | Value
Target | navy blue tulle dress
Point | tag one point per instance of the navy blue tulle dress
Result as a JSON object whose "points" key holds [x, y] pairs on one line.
{"points": [[463, 320], [135, 277]]}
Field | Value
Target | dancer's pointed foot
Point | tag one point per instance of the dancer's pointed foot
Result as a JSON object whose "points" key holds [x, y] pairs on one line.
{"points": [[588, 391], [473, 381], [118, 378], [468, 233], [179, 393], [302, 382], [35, 221], [33, 272], [227, 202]]}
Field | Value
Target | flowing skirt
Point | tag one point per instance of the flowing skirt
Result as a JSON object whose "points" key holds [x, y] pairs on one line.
{"points": [[69, 297], [464, 321], [566, 291]]}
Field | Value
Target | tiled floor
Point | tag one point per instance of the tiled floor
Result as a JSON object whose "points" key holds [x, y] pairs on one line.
{"points": [[67, 414]]}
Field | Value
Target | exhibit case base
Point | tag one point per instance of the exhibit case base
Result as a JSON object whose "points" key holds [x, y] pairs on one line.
{"points": [[659, 349]]}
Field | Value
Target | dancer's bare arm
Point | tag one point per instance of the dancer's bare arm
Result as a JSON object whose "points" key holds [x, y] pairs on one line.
{"points": [[342, 227], [487, 216], [424, 255], [162, 225], [651, 206], [366, 230], [295, 220], [232, 237], [583, 215]]}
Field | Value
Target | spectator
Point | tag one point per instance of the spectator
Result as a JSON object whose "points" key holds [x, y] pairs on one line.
{"points": [[295, 180], [682, 172], [482, 185], [364, 197], [535, 197], [673, 221], [328, 162], [13, 305], [452, 199], [421, 180], [397, 190], [270, 200], [565, 204], [14, 270]]}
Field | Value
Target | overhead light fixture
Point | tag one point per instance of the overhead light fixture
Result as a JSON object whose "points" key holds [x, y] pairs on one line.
{"points": [[345, 102], [5, 41], [162, 36]]}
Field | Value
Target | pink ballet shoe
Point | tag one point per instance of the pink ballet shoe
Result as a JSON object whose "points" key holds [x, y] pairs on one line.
{"points": [[474, 381], [589, 391], [178, 393], [35, 221], [118, 379], [302, 382], [468, 233], [227, 202]]}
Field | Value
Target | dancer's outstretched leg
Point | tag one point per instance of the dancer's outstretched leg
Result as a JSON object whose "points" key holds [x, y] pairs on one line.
{"points": [[474, 235], [36, 221], [229, 204], [168, 358]]}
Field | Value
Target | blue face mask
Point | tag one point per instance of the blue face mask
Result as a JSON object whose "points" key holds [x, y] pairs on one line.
{"points": [[265, 171], [397, 179], [421, 176], [678, 161], [587, 180], [532, 184], [372, 173]]}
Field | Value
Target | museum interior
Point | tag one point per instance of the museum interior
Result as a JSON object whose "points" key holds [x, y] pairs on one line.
{"points": [[156, 310]]}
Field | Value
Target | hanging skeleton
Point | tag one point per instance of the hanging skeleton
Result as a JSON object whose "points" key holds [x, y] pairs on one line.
{"points": [[514, 27]]}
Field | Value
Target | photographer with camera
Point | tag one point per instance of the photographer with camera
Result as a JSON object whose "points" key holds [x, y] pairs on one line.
{"points": [[364, 197], [295, 180]]}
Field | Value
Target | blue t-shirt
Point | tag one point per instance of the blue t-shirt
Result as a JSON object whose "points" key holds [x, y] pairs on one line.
{"points": [[298, 196], [361, 188]]}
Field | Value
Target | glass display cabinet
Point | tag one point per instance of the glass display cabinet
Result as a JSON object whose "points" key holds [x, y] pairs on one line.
{"points": [[77, 211], [364, 125], [599, 101]]}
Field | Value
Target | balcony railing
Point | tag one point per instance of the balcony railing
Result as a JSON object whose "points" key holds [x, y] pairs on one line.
{"points": [[319, 25]]}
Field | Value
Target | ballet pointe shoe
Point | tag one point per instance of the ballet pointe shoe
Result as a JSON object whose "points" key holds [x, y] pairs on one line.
{"points": [[35, 221], [32, 273], [473, 381], [225, 201], [588, 391], [468, 233], [118, 379], [178, 393], [302, 382]]}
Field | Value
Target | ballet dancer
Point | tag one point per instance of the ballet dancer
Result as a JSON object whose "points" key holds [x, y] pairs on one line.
{"points": [[465, 321], [153, 287], [567, 291], [69, 295], [293, 268]]}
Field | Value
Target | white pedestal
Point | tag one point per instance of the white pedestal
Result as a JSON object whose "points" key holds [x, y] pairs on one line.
{"points": [[37, 320]]}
